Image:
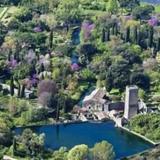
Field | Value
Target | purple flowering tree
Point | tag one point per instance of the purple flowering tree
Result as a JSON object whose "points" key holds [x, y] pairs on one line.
{"points": [[30, 56], [87, 28], [153, 21], [12, 63], [37, 29], [75, 67]]}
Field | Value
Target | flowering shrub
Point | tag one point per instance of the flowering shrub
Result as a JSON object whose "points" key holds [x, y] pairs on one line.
{"points": [[87, 28], [75, 67], [153, 21], [30, 56], [47, 86], [37, 29], [12, 63]]}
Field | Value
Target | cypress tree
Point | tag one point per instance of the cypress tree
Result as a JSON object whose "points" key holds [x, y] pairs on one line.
{"points": [[127, 36], [107, 34], [12, 86], [138, 37], [23, 91], [58, 108], [113, 26], [103, 35], [116, 29], [51, 39], [42, 68], [9, 55], [19, 89], [14, 146], [135, 36], [158, 44], [150, 37]]}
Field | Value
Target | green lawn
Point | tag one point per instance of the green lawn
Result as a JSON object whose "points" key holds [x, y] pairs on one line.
{"points": [[1, 9], [157, 8]]}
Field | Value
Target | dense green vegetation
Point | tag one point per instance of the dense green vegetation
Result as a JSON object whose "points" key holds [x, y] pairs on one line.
{"points": [[147, 125], [52, 52]]}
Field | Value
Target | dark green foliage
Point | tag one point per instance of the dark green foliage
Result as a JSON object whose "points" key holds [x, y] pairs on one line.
{"points": [[141, 80], [131, 57], [135, 35], [3, 32], [88, 50], [129, 4], [150, 38], [142, 12], [24, 15], [42, 68], [6, 92], [118, 75], [12, 86], [51, 39], [158, 45], [19, 90], [23, 91], [147, 125], [14, 146], [106, 34], [33, 145], [127, 34]]}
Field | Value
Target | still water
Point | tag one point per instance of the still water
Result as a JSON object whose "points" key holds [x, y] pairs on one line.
{"points": [[70, 135]]}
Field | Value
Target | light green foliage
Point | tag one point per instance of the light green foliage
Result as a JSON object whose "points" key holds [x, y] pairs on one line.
{"points": [[61, 154], [103, 151], [141, 93], [30, 143], [147, 125], [112, 6], [87, 74], [5, 129], [69, 10], [79, 152]]}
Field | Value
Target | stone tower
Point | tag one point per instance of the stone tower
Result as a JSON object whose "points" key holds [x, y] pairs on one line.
{"points": [[131, 102]]}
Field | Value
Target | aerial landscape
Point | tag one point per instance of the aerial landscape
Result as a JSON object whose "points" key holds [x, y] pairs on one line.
{"points": [[79, 79]]}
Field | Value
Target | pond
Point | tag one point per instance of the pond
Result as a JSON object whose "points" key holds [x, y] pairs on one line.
{"points": [[152, 1], [70, 135]]}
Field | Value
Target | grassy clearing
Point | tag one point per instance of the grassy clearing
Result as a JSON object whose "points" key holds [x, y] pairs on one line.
{"points": [[9, 14], [157, 8], [3, 11]]}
